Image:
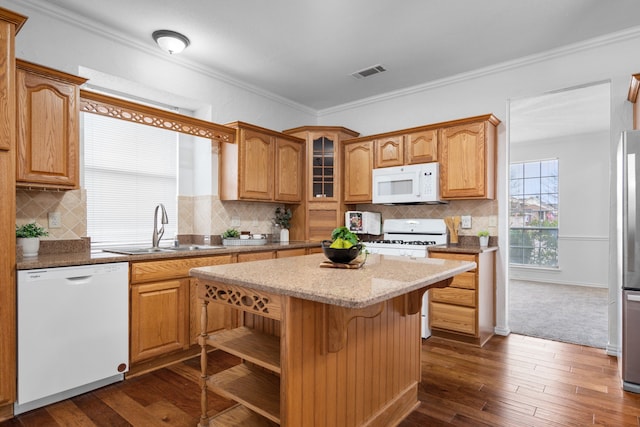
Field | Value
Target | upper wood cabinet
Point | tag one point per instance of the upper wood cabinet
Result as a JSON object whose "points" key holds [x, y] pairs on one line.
{"points": [[358, 167], [47, 127], [389, 151], [468, 159], [421, 146], [289, 170], [323, 208], [261, 165]]}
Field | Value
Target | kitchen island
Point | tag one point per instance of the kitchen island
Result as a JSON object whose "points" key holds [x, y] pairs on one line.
{"points": [[320, 346]]}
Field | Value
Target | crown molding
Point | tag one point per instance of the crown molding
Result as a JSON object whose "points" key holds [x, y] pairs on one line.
{"points": [[493, 69]]}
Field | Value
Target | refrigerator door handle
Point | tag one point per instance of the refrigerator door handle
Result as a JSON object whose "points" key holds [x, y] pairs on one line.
{"points": [[633, 297], [631, 214]]}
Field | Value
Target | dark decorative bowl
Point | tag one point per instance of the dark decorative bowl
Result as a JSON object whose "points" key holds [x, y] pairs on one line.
{"points": [[341, 256]]}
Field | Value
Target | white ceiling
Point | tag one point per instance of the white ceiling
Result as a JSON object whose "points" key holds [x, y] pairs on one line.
{"points": [[306, 50]]}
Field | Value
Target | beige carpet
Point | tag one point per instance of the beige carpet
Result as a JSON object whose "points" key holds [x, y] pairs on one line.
{"points": [[572, 314]]}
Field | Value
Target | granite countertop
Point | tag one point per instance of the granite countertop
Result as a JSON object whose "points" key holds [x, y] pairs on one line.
{"points": [[86, 257], [382, 277]]}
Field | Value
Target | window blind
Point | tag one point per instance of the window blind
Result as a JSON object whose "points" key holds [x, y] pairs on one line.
{"points": [[129, 169]]}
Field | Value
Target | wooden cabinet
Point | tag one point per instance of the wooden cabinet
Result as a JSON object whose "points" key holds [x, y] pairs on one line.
{"points": [[164, 310], [358, 167], [159, 315], [10, 23], [261, 165], [410, 146], [47, 127], [421, 146], [289, 170], [389, 151], [464, 310], [323, 207], [468, 159]]}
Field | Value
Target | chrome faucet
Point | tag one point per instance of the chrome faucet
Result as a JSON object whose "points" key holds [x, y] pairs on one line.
{"points": [[157, 235]]}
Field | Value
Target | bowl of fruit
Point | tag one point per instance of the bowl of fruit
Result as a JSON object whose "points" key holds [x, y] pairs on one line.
{"points": [[343, 247]]}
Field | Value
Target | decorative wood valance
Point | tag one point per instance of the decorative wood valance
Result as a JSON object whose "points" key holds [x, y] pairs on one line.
{"points": [[96, 103]]}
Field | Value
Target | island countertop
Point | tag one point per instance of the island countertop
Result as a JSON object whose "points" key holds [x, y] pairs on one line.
{"points": [[381, 278]]}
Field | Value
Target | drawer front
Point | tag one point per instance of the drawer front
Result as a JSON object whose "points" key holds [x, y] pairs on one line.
{"points": [[291, 252], [147, 271], [452, 318], [466, 280], [453, 256], [255, 256], [455, 296]]}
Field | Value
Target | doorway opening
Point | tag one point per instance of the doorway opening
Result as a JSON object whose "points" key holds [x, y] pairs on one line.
{"points": [[559, 145]]}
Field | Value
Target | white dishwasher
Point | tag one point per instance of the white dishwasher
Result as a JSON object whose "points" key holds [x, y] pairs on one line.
{"points": [[72, 331]]}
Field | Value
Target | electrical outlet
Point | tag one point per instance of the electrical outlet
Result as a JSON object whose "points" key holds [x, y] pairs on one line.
{"points": [[55, 220], [493, 221], [465, 221], [235, 221], [254, 223]]}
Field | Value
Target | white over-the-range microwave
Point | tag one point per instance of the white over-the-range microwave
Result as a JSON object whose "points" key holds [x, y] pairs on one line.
{"points": [[407, 184]]}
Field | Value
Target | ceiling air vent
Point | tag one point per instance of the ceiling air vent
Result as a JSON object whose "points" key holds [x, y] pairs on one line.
{"points": [[367, 72]]}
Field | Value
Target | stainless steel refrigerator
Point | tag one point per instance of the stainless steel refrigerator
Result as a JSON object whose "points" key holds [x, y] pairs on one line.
{"points": [[628, 226]]}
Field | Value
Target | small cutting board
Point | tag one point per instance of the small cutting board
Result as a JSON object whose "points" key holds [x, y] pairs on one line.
{"points": [[355, 264]]}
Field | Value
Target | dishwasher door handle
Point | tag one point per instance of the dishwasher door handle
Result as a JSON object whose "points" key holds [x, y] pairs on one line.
{"points": [[79, 280]]}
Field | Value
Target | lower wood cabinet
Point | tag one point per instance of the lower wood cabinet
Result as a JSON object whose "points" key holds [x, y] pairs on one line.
{"points": [[465, 310], [159, 313], [164, 313]]}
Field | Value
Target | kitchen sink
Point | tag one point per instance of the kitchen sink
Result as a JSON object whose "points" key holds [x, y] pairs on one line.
{"points": [[194, 248], [136, 250]]}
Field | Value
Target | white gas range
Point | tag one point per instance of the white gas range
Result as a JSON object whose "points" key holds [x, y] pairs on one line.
{"points": [[411, 237]]}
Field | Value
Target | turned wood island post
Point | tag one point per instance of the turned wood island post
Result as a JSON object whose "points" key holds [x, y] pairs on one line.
{"points": [[320, 347]]}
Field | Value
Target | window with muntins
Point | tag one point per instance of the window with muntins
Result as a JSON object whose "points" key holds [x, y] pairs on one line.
{"points": [[129, 168], [533, 213]]}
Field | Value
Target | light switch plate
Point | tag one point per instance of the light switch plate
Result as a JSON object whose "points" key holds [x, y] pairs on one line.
{"points": [[465, 221]]}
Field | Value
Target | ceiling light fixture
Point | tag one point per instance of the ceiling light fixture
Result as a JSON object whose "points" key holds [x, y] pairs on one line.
{"points": [[170, 41]]}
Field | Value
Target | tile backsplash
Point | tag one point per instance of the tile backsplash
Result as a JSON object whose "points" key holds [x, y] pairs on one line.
{"points": [[199, 215], [483, 213], [35, 205]]}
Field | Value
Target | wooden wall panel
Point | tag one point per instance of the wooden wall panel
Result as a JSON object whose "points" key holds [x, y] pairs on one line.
{"points": [[379, 362]]}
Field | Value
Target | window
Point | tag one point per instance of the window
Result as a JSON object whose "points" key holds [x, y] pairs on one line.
{"points": [[129, 169], [533, 214]]}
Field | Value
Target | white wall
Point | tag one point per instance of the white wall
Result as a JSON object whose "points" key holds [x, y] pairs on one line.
{"points": [[583, 207]]}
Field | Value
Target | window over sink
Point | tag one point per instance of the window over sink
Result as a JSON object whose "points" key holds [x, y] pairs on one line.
{"points": [[128, 169]]}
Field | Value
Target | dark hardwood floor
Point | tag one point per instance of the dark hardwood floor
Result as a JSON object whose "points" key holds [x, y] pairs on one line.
{"points": [[512, 381]]}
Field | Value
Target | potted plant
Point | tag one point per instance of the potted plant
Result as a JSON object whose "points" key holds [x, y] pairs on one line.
{"points": [[484, 237], [28, 238], [283, 221]]}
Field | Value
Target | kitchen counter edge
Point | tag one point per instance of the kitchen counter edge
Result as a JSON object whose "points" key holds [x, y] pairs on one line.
{"points": [[67, 259], [462, 249]]}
